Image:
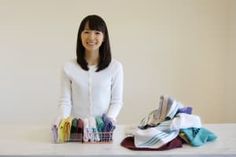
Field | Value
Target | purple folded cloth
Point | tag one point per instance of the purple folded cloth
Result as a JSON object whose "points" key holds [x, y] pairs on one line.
{"points": [[55, 133], [108, 125], [187, 110]]}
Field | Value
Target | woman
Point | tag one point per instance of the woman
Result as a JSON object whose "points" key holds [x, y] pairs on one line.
{"points": [[92, 84]]}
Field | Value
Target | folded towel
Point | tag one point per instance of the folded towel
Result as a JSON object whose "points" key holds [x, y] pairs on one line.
{"points": [[67, 128], [74, 127], [55, 130], [108, 125], [61, 130], [80, 131], [93, 126], [54, 133], [100, 123], [86, 136], [198, 136], [74, 130], [80, 126]]}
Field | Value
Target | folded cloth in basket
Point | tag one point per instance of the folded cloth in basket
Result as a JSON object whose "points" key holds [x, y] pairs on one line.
{"points": [[100, 123], [108, 125], [55, 133]]}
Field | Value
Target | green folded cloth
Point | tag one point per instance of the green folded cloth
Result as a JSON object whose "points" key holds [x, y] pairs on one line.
{"points": [[100, 123]]}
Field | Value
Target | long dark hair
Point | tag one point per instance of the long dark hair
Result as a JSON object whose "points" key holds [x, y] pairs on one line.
{"points": [[94, 22]]}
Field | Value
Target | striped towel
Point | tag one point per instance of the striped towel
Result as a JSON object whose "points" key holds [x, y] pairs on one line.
{"points": [[163, 125], [155, 137], [166, 131]]}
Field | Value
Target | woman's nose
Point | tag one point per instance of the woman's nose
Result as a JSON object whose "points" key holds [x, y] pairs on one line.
{"points": [[91, 35]]}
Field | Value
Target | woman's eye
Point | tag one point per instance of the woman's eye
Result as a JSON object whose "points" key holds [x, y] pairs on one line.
{"points": [[97, 33]]}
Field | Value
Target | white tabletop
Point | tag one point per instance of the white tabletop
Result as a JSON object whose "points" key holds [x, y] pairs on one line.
{"points": [[36, 141]]}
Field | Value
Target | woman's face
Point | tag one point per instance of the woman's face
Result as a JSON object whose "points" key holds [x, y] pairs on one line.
{"points": [[91, 39]]}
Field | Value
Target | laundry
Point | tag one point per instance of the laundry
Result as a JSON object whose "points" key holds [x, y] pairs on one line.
{"points": [[108, 125], [128, 142], [74, 130], [171, 120], [197, 136], [99, 129], [187, 110], [55, 133], [168, 107], [93, 126], [100, 123]]}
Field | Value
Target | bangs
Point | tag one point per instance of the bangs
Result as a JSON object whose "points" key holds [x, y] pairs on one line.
{"points": [[96, 24]]}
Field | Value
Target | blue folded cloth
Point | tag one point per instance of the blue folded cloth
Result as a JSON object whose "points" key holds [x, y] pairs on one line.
{"points": [[108, 125], [198, 136]]}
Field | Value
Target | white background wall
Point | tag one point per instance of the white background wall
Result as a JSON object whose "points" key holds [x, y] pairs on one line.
{"points": [[230, 93], [183, 48]]}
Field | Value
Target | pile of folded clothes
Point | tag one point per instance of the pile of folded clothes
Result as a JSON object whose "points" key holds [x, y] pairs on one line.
{"points": [[168, 127], [92, 129]]}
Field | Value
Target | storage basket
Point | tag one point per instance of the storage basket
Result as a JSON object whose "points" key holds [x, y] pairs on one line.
{"points": [[103, 137], [92, 137]]}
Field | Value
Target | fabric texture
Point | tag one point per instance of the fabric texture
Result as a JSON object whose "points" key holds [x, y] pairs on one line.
{"points": [[154, 137], [67, 128], [64, 130], [167, 109], [100, 123], [163, 125], [74, 130], [93, 126], [128, 142], [108, 125], [187, 110], [86, 131], [90, 93], [198, 136], [54, 130], [183, 121]]}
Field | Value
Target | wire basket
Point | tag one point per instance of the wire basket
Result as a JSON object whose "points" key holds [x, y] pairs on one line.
{"points": [[91, 137], [97, 137]]}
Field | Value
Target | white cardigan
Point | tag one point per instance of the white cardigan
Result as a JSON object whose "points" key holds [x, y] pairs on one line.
{"points": [[91, 93]]}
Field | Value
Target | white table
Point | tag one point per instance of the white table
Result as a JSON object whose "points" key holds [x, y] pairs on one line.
{"points": [[36, 141]]}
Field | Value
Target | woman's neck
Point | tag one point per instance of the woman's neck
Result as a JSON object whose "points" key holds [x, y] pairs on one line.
{"points": [[92, 58]]}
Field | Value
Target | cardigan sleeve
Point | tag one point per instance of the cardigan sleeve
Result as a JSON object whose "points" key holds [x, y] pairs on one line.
{"points": [[65, 101], [116, 92]]}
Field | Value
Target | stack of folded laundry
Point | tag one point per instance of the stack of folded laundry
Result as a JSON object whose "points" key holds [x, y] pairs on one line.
{"points": [[168, 127], [92, 129]]}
